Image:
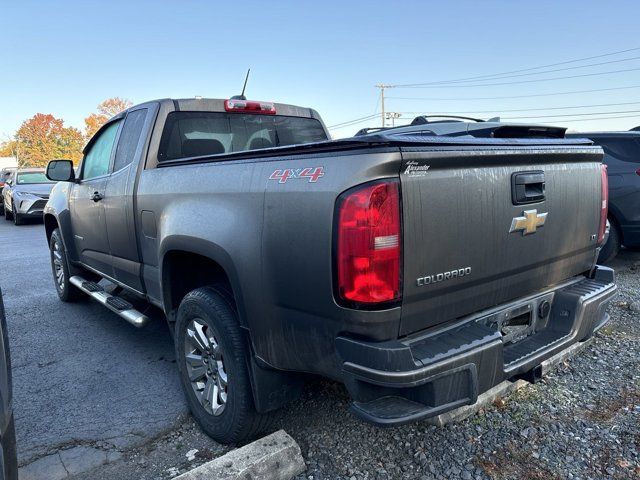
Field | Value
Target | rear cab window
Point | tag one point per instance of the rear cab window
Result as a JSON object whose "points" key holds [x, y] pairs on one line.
{"points": [[193, 134]]}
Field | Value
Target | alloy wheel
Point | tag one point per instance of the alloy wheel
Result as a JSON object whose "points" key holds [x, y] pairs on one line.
{"points": [[205, 366], [58, 266]]}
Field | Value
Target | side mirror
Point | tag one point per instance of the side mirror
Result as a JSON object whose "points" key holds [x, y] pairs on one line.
{"points": [[60, 171]]}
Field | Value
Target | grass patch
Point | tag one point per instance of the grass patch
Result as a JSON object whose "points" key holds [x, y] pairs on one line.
{"points": [[607, 330]]}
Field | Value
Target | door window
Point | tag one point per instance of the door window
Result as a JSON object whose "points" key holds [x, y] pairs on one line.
{"points": [[96, 161], [129, 139]]}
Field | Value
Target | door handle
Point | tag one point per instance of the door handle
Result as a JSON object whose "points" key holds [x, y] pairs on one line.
{"points": [[96, 197], [527, 187]]}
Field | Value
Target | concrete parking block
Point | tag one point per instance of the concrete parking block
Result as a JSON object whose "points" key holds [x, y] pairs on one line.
{"points": [[486, 398], [274, 457]]}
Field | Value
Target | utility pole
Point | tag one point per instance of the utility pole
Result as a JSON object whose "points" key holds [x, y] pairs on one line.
{"points": [[382, 86]]}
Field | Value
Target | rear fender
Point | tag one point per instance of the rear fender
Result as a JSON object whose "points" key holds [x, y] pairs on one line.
{"points": [[206, 249]]}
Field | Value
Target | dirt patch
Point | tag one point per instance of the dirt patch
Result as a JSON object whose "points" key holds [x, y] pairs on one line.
{"points": [[512, 463], [607, 408]]}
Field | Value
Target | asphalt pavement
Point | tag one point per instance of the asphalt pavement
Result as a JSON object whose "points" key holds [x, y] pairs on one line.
{"points": [[83, 378]]}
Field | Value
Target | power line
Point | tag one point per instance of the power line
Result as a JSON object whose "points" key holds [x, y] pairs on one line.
{"points": [[572, 120], [417, 85], [354, 121], [486, 76], [572, 114], [437, 114], [500, 110], [432, 99], [527, 74], [597, 118], [521, 117]]}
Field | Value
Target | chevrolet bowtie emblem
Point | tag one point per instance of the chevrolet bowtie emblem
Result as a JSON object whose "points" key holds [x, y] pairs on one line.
{"points": [[529, 222]]}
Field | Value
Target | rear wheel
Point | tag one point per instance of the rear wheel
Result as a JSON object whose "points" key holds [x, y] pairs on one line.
{"points": [[612, 247], [61, 269], [212, 359]]}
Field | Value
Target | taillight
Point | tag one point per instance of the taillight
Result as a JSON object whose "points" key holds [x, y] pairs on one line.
{"points": [[249, 106], [638, 172], [604, 190], [369, 244]]}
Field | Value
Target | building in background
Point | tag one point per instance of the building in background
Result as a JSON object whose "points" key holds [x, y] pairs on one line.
{"points": [[8, 162]]}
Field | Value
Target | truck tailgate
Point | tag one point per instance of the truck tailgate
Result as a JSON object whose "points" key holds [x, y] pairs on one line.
{"points": [[468, 245]]}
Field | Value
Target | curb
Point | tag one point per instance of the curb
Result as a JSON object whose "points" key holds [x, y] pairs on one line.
{"points": [[274, 457], [505, 388]]}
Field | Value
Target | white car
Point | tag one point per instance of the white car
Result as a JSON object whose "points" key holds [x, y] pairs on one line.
{"points": [[25, 195]]}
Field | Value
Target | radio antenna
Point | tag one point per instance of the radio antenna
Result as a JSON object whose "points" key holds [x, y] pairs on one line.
{"points": [[244, 87]]}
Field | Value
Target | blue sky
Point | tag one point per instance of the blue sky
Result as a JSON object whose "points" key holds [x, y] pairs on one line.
{"points": [[66, 57]]}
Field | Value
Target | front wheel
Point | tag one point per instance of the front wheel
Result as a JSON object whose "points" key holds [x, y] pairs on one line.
{"points": [[61, 269], [212, 358], [8, 216], [17, 219]]}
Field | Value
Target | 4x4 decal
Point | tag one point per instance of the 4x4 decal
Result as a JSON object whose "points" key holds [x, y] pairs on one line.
{"points": [[312, 174]]}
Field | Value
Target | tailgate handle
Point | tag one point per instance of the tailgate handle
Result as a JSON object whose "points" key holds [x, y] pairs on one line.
{"points": [[527, 187]]}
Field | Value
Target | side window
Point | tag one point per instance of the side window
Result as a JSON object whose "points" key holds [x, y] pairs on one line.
{"points": [[96, 161], [129, 138]]}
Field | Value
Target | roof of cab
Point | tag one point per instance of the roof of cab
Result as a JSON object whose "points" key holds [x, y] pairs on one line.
{"points": [[198, 104]]}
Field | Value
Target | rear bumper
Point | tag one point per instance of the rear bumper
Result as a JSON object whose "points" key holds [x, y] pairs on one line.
{"points": [[428, 374]]}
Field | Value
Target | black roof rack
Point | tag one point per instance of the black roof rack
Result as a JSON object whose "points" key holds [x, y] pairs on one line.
{"points": [[364, 131]]}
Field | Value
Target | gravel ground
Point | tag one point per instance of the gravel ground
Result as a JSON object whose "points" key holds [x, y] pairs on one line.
{"points": [[582, 421]]}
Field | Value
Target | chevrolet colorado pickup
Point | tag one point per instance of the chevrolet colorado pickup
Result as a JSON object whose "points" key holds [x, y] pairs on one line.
{"points": [[419, 266]]}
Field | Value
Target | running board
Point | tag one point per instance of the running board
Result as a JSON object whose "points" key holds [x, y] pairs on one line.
{"points": [[114, 303]]}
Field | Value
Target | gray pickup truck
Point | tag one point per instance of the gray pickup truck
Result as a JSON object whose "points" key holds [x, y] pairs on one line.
{"points": [[420, 266]]}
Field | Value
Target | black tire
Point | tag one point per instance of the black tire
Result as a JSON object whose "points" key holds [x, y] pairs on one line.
{"points": [[1, 210], [17, 219], [65, 290], [239, 421], [612, 247], [8, 216]]}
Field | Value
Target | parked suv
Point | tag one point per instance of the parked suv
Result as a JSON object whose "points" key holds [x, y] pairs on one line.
{"points": [[622, 157], [26, 194]]}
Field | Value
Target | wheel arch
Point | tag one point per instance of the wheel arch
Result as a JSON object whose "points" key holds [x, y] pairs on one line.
{"points": [[50, 224], [181, 255], [188, 263]]}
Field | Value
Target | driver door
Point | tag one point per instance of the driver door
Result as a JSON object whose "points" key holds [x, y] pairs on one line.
{"points": [[88, 221]]}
